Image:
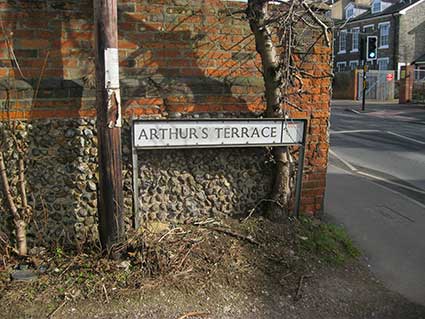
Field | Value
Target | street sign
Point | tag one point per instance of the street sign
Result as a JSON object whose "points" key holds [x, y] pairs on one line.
{"points": [[150, 134], [209, 133], [390, 77]]}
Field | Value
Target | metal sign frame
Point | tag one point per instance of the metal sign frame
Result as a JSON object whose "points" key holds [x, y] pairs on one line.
{"points": [[135, 159]]}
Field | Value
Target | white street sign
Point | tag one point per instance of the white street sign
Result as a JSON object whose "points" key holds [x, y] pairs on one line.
{"points": [[149, 134]]}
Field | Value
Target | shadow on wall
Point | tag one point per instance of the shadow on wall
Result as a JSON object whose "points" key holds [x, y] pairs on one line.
{"points": [[62, 153], [168, 61], [52, 53]]}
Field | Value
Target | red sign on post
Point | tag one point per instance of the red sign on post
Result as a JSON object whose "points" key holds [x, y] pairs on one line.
{"points": [[390, 77]]}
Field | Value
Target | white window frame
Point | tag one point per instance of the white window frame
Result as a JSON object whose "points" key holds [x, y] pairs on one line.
{"points": [[338, 64], [340, 49], [385, 46], [353, 62], [350, 6], [369, 26], [383, 59], [399, 65], [353, 49], [373, 6]]}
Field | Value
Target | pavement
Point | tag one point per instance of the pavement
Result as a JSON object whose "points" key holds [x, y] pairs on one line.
{"points": [[376, 188]]}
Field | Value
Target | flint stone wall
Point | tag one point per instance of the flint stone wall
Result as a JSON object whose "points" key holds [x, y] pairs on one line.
{"points": [[174, 185], [183, 184]]}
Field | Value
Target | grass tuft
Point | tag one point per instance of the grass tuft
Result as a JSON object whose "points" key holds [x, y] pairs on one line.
{"points": [[329, 242]]}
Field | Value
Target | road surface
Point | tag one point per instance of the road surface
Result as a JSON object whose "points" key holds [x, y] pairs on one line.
{"points": [[376, 188]]}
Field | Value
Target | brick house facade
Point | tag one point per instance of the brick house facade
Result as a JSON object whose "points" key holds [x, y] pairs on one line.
{"points": [[399, 27]]}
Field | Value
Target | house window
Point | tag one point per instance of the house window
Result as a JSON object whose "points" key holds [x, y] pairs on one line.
{"points": [[368, 28], [349, 11], [376, 6], [420, 73], [340, 66], [354, 64], [355, 32], [383, 63], [342, 41], [384, 32]]}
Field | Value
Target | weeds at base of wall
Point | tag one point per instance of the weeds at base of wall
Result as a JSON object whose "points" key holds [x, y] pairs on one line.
{"points": [[202, 255], [329, 242]]}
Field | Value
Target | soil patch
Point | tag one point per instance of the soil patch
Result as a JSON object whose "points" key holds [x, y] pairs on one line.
{"points": [[209, 269]]}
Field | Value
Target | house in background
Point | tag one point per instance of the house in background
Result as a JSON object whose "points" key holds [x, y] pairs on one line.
{"points": [[346, 8], [398, 24]]}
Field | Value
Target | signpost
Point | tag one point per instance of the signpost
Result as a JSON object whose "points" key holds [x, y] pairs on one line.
{"points": [[390, 77], [214, 133], [364, 86]]}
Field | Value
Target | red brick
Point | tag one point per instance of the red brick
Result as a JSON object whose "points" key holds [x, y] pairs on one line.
{"points": [[32, 43]]}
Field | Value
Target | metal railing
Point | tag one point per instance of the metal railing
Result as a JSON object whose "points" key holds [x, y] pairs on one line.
{"points": [[380, 85]]}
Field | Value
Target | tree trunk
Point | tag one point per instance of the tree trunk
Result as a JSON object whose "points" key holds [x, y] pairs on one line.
{"points": [[22, 184], [20, 225], [258, 15], [6, 188], [21, 237]]}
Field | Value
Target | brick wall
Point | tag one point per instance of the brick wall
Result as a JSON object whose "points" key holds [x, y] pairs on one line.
{"points": [[178, 59], [412, 34], [173, 57]]}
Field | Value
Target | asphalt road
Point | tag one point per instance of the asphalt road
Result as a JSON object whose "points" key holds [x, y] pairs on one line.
{"points": [[376, 188]]}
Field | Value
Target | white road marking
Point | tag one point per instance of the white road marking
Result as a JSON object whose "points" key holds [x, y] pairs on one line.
{"points": [[401, 195], [354, 111], [406, 138], [417, 190], [382, 179], [351, 167], [379, 131], [393, 191], [355, 131]]}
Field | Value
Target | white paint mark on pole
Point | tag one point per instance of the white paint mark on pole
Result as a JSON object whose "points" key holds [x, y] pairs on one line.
{"points": [[112, 85], [112, 76]]}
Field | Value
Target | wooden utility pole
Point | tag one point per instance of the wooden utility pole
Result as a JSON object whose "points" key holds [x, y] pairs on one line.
{"points": [[108, 105]]}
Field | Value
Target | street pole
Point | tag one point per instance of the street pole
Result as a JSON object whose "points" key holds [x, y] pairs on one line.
{"points": [[364, 85], [108, 107]]}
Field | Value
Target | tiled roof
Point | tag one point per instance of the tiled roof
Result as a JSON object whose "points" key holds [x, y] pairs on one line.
{"points": [[421, 59]]}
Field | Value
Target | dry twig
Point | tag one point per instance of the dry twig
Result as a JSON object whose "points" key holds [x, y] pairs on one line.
{"points": [[194, 314], [236, 235], [57, 309], [106, 293], [300, 286]]}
